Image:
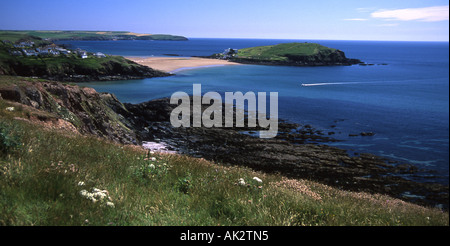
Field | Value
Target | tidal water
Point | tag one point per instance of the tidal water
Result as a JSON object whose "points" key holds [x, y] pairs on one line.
{"points": [[403, 97]]}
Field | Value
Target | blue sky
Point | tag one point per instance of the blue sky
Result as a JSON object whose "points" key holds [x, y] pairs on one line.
{"points": [[412, 20]]}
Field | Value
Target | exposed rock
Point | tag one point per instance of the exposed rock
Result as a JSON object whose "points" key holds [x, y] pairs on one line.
{"points": [[89, 111]]}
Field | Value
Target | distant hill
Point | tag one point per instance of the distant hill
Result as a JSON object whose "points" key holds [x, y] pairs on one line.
{"points": [[88, 35], [28, 55], [292, 54]]}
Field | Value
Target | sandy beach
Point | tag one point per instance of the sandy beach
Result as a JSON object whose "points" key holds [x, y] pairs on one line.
{"points": [[174, 64]]}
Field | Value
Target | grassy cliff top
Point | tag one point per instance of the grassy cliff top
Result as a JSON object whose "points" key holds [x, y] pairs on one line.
{"points": [[279, 52], [15, 36]]}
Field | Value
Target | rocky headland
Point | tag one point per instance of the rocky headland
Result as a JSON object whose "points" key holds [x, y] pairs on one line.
{"points": [[288, 54]]}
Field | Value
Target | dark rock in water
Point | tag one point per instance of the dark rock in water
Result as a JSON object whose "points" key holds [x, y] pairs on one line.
{"points": [[353, 135], [367, 134]]}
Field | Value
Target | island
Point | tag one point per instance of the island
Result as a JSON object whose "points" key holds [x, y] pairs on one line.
{"points": [[32, 56], [288, 54]]}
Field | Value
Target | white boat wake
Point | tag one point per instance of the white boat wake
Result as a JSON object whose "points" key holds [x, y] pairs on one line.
{"points": [[337, 83]]}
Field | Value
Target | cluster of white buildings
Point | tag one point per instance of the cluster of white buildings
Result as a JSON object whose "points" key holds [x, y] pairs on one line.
{"points": [[27, 49], [228, 53]]}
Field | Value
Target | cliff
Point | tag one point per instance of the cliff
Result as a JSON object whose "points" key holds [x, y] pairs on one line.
{"points": [[84, 109]]}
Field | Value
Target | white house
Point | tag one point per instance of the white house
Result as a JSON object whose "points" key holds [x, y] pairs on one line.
{"points": [[99, 55], [29, 52]]}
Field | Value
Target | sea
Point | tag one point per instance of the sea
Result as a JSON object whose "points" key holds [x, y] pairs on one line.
{"points": [[402, 96]]}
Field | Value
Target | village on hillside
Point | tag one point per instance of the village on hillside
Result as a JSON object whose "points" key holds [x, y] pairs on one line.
{"points": [[29, 48]]}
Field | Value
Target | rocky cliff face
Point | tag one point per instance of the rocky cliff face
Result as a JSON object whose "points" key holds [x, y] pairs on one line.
{"points": [[335, 58], [88, 111]]}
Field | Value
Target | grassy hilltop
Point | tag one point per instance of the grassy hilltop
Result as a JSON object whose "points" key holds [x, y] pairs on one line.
{"points": [[21, 54], [88, 35], [290, 54], [282, 52]]}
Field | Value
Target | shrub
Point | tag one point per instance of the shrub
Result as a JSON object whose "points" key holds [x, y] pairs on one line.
{"points": [[8, 140], [184, 184]]}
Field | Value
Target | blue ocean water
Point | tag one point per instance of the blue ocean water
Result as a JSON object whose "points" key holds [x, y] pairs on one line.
{"points": [[405, 103]]}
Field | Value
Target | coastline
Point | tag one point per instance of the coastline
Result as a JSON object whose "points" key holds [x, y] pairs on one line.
{"points": [[175, 64], [298, 152]]}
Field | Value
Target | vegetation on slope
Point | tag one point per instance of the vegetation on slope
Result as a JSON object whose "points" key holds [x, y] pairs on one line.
{"points": [[71, 67], [283, 52], [293, 54], [88, 35]]}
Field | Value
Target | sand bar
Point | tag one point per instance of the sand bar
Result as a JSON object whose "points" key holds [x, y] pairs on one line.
{"points": [[174, 64]]}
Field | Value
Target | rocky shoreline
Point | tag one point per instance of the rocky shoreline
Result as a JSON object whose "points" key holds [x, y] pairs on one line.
{"points": [[299, 151], [299, 63]]}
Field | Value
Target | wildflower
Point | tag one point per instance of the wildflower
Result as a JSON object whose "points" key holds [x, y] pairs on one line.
{"points": [[241, 182], [110, 204], [257, 179], [96, 190], [151, 166], [10, 109], [96, 195], [153, 159], [81, 183]]}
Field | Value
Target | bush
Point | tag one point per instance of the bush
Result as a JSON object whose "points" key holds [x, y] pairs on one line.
{"points": [[184, 184], [8, 140]]}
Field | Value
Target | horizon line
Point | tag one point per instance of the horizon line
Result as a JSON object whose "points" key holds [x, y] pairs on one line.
{"points": [[322, 39]]}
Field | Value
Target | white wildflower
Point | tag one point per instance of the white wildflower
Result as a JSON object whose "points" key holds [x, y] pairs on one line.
{"points": [[95, 190], [153, 159], [81, 183], [100, 195], [110, 204], [257, 179], [95, 195], [241, 181], [151, 166], [10, 109]]}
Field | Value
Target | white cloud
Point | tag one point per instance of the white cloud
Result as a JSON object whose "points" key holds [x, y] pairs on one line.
{"points": [[428, 14]]}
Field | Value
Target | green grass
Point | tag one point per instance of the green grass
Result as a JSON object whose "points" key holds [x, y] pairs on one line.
{"points": [[60, 64], [14, 36], [40, 177], [279, 52]]}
